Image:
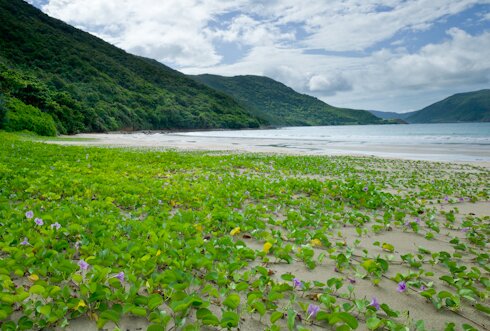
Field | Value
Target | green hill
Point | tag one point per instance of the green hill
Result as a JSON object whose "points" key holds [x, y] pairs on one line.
{"points": [[281, 105], [461, 107], [86, 84], [386, 115]]}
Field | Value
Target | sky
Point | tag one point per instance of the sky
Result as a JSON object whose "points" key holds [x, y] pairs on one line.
{"points": [[389, 55]]}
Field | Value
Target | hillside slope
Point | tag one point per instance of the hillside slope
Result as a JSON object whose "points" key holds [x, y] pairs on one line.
{"points": [[86, 84], [461, 107], [281, 105], [390, 115]]}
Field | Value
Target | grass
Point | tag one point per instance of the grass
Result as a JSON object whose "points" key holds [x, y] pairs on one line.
{"points": [[188, 240]]}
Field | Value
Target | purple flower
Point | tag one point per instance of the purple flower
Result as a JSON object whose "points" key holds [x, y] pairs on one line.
{"points": [[297, 283], [56, 225], [313, 310], [465, 230], [38, 221], [365, 189], [423, 287], [83, 265], [30, 214], [402, 287], [446, 198], [417, 220], [25, 242], [461, 199], [120, 276], [374, 303]]}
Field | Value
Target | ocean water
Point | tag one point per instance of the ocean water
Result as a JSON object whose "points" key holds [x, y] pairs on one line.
{"points": [[411, 135], [468, 142]]}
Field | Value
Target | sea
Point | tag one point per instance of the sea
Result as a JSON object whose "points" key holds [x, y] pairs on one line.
{"points": [[444, 142]]}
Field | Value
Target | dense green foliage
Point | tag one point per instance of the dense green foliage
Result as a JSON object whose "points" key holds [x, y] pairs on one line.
{"points": [[281, 105], [186, 241], [17, 116], [461, 107], [86, 84]]}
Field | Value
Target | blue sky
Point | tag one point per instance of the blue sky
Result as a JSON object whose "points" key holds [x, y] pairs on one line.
{"points": [[391, 55]]}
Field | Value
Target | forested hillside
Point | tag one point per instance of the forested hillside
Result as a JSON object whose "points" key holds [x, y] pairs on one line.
{"points": [[81, 83], [281, 105], [461, 107]]}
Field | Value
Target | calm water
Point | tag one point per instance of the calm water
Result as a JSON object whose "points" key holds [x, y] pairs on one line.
{"points": [[413, 134], [469, 142]]}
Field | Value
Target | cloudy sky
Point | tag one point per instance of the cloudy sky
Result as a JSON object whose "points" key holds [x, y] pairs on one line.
{"points": [[391, 55]]}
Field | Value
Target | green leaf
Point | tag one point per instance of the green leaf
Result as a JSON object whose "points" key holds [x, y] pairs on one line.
{"points": [[45, 310], [343, 317], [207, 317], [24, 323], [275, 316], [260, 307], [373, 323], [229, 319], [388, 310], [232, 301], [155, 327], [138, 311], [291, 319], [37, 289], [388, 247], [154, 301], [111, 315], [483, 308]]}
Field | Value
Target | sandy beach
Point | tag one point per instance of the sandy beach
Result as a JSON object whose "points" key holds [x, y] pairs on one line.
{"points": [[406, 243], [476, 154], [391, 209]]}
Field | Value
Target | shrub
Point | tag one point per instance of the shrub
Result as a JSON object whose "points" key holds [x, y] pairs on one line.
{"points": [[19, 116]]}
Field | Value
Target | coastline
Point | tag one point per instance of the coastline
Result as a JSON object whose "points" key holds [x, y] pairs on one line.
{"points": [[473, 154]]}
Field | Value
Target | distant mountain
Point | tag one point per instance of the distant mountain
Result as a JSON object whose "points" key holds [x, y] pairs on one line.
{"points": [[461, 107], [281, 105], [86, 84], [390, 115]]}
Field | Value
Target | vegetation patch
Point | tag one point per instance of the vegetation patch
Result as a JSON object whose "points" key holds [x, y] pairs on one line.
{"points": [[194, 240]]}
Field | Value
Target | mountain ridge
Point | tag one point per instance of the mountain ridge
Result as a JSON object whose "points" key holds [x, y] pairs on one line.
{"points": [[471, 106], [281, 105]]}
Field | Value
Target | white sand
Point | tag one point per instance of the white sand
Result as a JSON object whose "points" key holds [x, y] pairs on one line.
{"points": [[181, 141]]}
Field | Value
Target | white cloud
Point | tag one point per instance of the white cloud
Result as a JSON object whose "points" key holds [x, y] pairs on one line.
{"points": [[169, 31], [246, 30], [385, 80], [328, 85]]}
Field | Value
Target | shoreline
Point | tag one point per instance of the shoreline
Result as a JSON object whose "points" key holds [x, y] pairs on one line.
{"points": [[455, 153]]}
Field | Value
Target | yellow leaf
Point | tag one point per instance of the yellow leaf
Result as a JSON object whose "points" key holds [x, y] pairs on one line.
{"points": [[33, 277], [93, 316], [159, 252], [315, 242], [267, 247], [80, 304], [235, 231], [387, 247]]}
